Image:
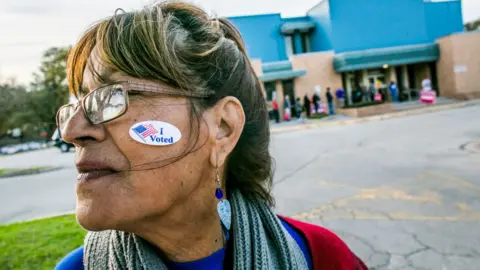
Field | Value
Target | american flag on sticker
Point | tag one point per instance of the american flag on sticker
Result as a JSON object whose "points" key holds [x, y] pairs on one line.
{"points": [[145, 130]]}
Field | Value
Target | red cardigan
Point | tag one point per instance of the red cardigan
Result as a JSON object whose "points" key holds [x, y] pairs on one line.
{"points": [[328, 251]]}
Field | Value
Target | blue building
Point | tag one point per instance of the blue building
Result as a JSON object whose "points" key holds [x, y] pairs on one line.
{"points": [[350, 44]]}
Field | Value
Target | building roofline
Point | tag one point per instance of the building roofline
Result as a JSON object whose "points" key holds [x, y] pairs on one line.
{"points": [[316, 5], [472, 32], [297, 17], [253, 15]]}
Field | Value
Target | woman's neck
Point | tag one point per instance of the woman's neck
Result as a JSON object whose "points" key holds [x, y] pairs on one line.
{"points": [[185, 233]]}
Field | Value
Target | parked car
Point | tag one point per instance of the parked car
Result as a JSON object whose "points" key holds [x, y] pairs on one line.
{"points": [[11, 149], [61, 144]]}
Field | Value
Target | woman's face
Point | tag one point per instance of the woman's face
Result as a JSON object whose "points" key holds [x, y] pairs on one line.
{"points": [[122, 181]]}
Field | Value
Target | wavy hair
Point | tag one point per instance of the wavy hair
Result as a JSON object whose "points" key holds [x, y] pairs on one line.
{"points": [[178, 44]]}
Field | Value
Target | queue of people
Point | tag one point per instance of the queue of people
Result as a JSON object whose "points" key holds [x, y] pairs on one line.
{"points": [[307, 107], [374, 92]]}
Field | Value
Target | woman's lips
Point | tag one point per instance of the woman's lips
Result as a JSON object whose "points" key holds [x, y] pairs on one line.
{"points": [[94, 174], [91, 170]]}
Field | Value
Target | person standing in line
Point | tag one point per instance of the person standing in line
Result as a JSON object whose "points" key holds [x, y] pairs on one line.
{"points": [[316, 101], [306, 105], [427, 94], [371, 92], [287, 107], [299, 109], [331, 109], [340, 97], [276, 113], [393, 91], [426, 83]]}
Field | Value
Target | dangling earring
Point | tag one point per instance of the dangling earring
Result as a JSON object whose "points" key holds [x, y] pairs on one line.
{"points": [[223, 208]]}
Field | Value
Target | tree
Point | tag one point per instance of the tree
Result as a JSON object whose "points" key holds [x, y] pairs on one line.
{"points": [[13, 99], [49, 88], [35, 110], [473, 25]]}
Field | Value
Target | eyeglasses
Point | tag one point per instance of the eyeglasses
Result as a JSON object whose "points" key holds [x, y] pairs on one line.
{"points": [[109, 102]]}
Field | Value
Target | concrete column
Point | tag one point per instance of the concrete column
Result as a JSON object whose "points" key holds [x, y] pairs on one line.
{"points": [[392, 75], [364, 78], [406, 81], [405, 77], [349, 96], [348, 86], [280, 98]]}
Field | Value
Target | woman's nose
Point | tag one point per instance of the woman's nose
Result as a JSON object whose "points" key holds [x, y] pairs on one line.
{"points": [[79, 131]]}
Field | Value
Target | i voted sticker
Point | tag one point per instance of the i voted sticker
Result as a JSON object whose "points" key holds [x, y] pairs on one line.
{"points": [[155, 133]]}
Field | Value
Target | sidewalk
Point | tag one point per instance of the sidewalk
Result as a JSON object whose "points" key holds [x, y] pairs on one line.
{"points": [[401, 109]]}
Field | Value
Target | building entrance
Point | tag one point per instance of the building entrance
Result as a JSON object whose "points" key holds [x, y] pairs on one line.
{"points": [[376, 77], [288, 90]]}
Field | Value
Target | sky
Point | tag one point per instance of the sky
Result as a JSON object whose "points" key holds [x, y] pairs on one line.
{"points": [[29, 27]]}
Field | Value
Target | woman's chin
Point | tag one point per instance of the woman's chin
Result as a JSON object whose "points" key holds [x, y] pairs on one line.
{"points": [[93, 219]]}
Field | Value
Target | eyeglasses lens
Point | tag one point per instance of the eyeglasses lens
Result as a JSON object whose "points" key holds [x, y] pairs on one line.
{"points": [[105, 103], [102, 105]]}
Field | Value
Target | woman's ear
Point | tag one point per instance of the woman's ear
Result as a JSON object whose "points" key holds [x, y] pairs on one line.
{"points": [[229, 120]]}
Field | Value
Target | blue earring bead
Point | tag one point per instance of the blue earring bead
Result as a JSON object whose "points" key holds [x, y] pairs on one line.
{"points": [[219, 193]]}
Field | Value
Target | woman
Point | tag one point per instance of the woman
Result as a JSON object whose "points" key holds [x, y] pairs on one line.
{"points": [[299, 109], [179, 177], [427, 94], [307, 105], [316, 101], [287, 107]]}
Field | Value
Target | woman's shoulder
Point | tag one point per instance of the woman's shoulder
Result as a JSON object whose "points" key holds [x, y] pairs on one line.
{"points": [[323, 243], [73, 261]]}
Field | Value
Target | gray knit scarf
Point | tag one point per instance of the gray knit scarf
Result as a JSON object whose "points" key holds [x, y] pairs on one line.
{"points": [[259, 242]]}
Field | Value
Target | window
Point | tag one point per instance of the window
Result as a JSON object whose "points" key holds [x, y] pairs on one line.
{"points": [[297, 43], [289, 45], [294, 44], [305, 37]]}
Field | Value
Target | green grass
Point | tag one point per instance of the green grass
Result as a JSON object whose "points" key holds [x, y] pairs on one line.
{"points": [[318, 116], [39, 244], [22, 171]]}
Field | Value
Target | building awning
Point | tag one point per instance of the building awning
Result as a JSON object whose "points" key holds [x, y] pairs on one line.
{"points": [[279, 70], [290, 27], [281, 75], [276, 66], [392, 56]]}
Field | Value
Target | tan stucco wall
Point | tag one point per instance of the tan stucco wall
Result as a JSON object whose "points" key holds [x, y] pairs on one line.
{"points": [[368, 111], [279, 97], [319, 67], [467, 53], [445, 74], [257, 66], [461, 50]]}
